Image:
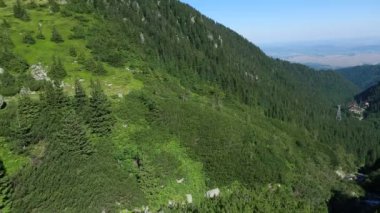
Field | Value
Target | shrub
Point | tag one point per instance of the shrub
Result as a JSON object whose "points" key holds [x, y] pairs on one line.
{"points": [[28, 39], [55, 36]]}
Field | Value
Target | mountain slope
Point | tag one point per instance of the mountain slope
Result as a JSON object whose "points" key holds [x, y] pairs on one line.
{"points": [[183, 105], [371, 97], [363, 76]]}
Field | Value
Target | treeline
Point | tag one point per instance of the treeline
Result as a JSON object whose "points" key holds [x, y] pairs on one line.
{"points": [[43, 119], [195, 49], [69, 166]]}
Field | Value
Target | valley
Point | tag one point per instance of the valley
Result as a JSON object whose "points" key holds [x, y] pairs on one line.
{"points": [[121, 106]]}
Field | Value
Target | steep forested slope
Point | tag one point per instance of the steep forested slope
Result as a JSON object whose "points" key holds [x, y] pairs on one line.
{"points": [[363, 76], [371, 98], [111, 105]]}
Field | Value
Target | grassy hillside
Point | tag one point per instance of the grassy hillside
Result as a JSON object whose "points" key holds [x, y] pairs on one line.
{"points": [[158, 102]]}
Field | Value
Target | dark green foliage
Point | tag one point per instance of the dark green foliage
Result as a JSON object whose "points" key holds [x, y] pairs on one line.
{"points": [[54, 6], [40, 35], [2, 169], [100, 117], [28, 39], [78, 32], [20, 12], [73, 52], [372, 97], [7, 116], [71, 136], [53, 103], [55, 36], [95, 67], [271, 199], [76, 176], [5, 24], [8, 84], [2, 3], [113, 54], [12, 62], [5, 39], [32, 4], [237, 113], [5, 188], [75, 183], [81, 102], [28, 81], [57, 72], [363, 76], [27, 113]]}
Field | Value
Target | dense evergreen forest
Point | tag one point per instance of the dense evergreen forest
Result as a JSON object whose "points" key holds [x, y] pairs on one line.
{"points": [[110, 106], [363, 76]]}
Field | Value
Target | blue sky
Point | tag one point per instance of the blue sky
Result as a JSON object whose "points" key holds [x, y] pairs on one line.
{"points": [[277, 21]]}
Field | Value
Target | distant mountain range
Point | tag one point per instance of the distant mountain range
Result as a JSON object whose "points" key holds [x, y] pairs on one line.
{"points": [[328, 54]]}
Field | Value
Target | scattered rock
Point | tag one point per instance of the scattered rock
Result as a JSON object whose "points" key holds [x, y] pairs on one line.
{"points": [[340, 173], [171, 204], [193, 19], [210, 37], [142, 38], [189, 198], [1, 71], [81, 80], [120, 95], [25, 91], [39, 73], [213, 193], [180, 180]]}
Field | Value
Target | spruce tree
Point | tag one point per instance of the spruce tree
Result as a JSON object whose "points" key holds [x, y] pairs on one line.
{"points": [[5, 188], [57, 70], [100, 70], [2, 3], [28, 39], [71, 136], [53, 104], [40, 35], [27, 113], [54, 6], [80, 100], [20, 12], [6, 24], [55, 36], [100, 118]]}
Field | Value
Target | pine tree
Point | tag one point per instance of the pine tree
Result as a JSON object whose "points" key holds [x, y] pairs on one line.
{"points": [[54, 6], [100, 118], [6, 24], [27, 113], [40, 35], [80, 100], [57, 70], [28, 39], [2, 3], [53, 104], [5, 188], [55, 36], [100, 70], [20, 12], [71, 136]]}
